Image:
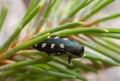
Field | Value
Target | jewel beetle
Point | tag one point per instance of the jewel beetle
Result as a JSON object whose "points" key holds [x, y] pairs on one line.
{"points": [[60, 46]]}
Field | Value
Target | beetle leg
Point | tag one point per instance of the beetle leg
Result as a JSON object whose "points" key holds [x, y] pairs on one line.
{"points": [[69, 59], [48, 53]]}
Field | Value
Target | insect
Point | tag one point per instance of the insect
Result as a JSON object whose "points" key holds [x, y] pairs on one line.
{"points": [[60, 46]]}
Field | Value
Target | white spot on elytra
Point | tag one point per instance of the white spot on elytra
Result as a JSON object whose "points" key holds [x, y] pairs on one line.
{"points": [[44, 45], [58, 53], [49, 36], [62, 45], [65, 38], [57, 37], [35, 45], [52, 45]]}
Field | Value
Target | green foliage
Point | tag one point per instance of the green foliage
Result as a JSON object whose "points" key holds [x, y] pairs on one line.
{"points": [[3, 15], [26, 63]]}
